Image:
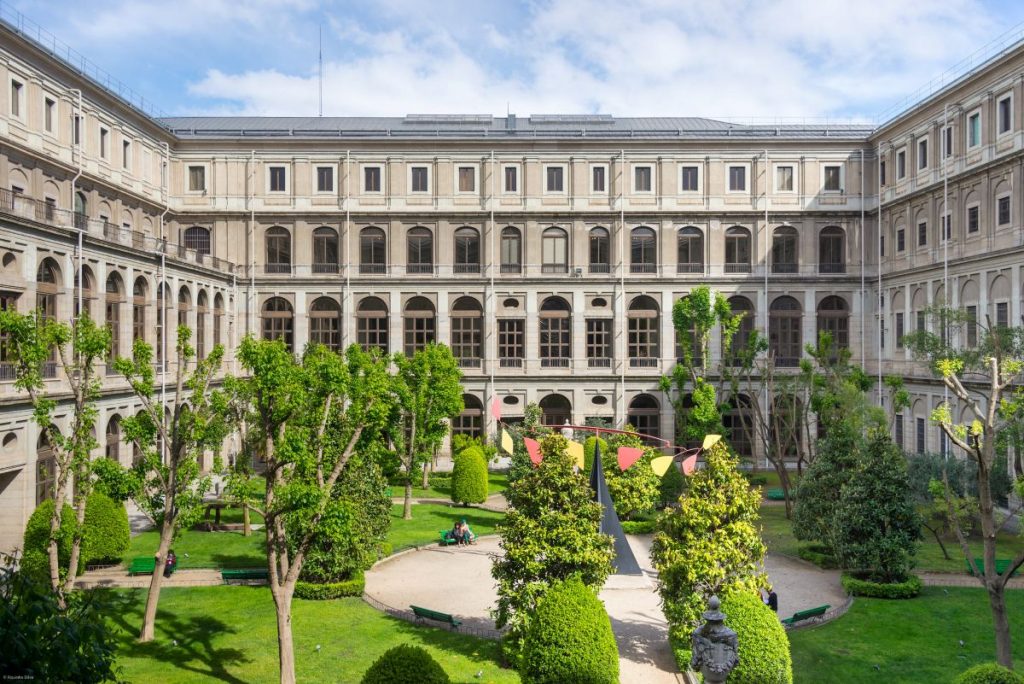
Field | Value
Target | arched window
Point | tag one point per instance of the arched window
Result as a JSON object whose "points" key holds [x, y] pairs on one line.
{"points": [[373, 246], [784, 336], [467, 332], [785, 423], [112, 449], [139, 290], [112, 311], [184, 306], [325, 250], [202, 310], [84, 280], [555, 333], [737, 250], [831, 250], [372, 324], [834, 318], [277, 321], [740, 339], [600, 250], [643, 340], [47, 287], [46, 468], [218, 319], [785, 254], [421, 251], [511, 250], [279, 250], [198, 239], [554, 244], [467, 250], [325, 323], [471, 421], [555, 410], [645, 415], [420, 325], [690, 250], [643, 251], [738, 421], [81, 218]]}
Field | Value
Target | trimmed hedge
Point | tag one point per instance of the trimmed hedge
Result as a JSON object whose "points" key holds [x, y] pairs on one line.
{"points": [[907, 589], [764, 646], [312, 591], [989, 673], [35, 561], [818, 554], [638, 526], [570, 639], [107, 534], [405, 663], [469, 476]]}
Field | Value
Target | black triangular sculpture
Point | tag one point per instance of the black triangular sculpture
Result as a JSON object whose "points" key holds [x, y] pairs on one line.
{"points": [[624, 561]]}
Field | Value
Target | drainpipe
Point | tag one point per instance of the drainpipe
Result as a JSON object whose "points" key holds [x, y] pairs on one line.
{"points": [[492, 322], [622, 283], [164, 189], [863, 291], [250, 313], [347, 296], [767, 173], [947, 231], [878, 250], [76, 149]]}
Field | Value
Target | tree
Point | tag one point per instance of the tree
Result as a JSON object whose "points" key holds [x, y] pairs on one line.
{"points": [[171, 440], [634, 491], [428, 393], [823, 481], [469, 476], [985, 379], [709, 544], [520, 464], [306, 418], [549, 534], [31, 342]]}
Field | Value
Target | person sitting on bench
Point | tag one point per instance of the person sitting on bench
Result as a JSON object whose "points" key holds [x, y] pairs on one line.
{"points": [[463, 535]]}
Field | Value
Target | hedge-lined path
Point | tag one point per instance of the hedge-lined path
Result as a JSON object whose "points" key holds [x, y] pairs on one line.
{"points": [[801, 585], [939, 579], [117, 576]]}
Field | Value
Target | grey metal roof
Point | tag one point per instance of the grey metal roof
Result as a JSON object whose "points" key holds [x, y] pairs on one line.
{"points": [[486, 126]]}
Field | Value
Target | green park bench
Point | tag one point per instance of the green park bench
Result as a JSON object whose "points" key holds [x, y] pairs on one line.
{"points": [[142, 566], [775, 494], [806, 615], [1001, 566], [244, 574], [426, 613], [446, 538]]}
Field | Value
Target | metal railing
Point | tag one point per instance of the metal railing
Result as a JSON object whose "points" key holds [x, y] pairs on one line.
{"points": [[510, 363], [600, 268], [554, 362], [689, 268], [643, 268], [642, 362], [511, 268], [599, 362], [326, 268], [466, 362], [463, 269], [737, 268], [419, 269], [784, 268]]}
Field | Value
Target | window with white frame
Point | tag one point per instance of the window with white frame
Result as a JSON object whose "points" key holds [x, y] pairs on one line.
{"points": [[901, 164], [17, 98], [643, 178], [1004, 114], [325, 179], [832, 180], [922, 154], [1003, 210], [784, 178], [554, 179], [974, 129], [277, 179], [419, 179], [737, 179], [689, 178], [511, 178], [465, 178], [197, 178], [373, 179], [49, 114], [599, 178]]}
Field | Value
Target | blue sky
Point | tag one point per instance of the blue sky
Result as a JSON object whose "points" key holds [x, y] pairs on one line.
{"points": [[732, 58]]}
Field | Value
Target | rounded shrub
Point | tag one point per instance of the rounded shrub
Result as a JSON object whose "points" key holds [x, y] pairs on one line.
{"points": [[570, 639], [764, 646], [469, 476], [35, 555], [989, 673], [107, 535], [588, 453], [405, 663]]}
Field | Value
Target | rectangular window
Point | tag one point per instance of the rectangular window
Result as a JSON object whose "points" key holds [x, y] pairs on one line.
{"points": [[972, 326], [599, 342], [104, 142], [900, 332], [76, 130], [737, 178], [972, 219], [898, 430], [1002, 314], [1005, 115], [511, 179], [16, 90], [900, 240], [974, 129], [881, 173], [598, 181], [467, 179], [922, 154], [901, 164], [126, 154], [881, 245], [555, 179], [920, 321], [1003, 210], [947, 141], [197, 179], [325, 179], [371, 179], [49, 114], [946, 228], [784, 178], [420, 177], [277, 179], [920, 435], [642, 179], [922, 234], [690, 178], [511, 342], [881, 336], [833, 178]]}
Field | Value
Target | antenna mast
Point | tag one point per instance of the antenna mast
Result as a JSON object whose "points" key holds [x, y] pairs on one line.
{"points": [[320, 69]]}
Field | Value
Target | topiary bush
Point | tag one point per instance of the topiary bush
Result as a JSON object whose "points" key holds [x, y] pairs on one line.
{"points": [[107, 534], [405, 663], [35, 561], [312, 591], [909, 588], [570, 639], [764, 646], [469, 476], [989, 673]]}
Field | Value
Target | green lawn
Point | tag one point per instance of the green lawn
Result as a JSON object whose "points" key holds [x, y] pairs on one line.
{"points": [[776, 530], [907, 641], [206, 549], [428, 519], [229, 634]]}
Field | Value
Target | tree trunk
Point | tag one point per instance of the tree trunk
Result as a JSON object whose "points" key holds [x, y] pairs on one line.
{"points": [[938, 540], [407, 510], [1001, 622], [993, 583], [787, 496], [153, 598], [55, 521], [76, 545], [426, 476], [285, 647], [246, 525]]}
